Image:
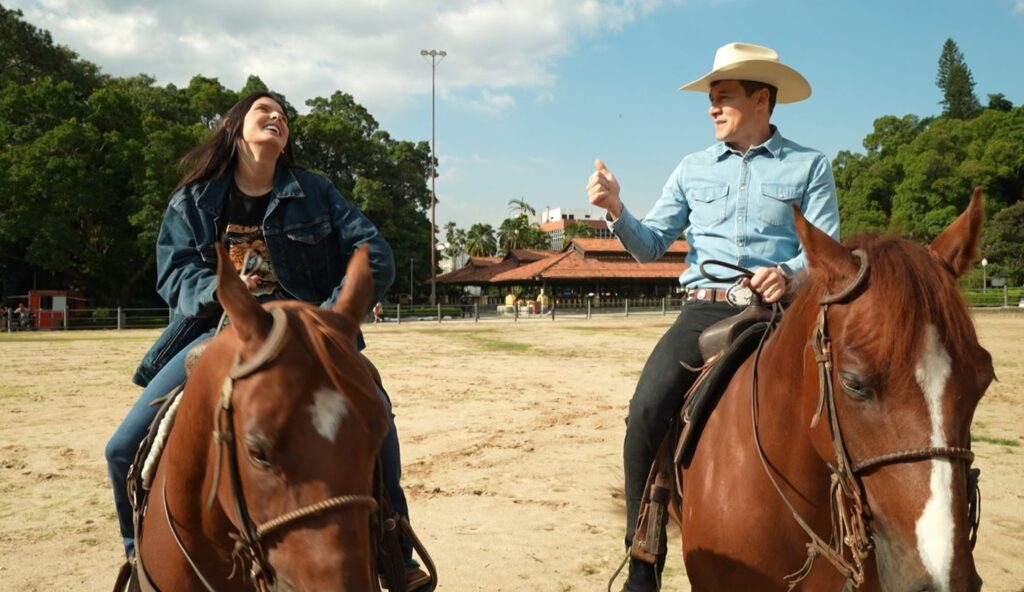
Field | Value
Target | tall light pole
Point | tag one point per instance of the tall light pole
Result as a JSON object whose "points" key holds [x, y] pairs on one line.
{"points": [[984, 280], [435, 59]]}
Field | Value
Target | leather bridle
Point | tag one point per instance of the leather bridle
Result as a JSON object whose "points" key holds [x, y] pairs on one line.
{"points": [[250, 538], [851, 538]]}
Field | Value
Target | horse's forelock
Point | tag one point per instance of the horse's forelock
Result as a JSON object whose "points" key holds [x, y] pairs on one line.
{"points": [[331, 339], [908, 290]]}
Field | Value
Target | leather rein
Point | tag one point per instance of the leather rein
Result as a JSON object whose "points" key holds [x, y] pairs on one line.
{"points": [[250, 536], [850, 538]]}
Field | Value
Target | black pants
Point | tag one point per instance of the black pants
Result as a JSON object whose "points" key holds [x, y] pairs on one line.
{"points": [[659, 396]]}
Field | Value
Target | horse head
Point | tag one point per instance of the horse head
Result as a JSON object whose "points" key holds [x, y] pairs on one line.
{"points": [[892, 407], [300, 424]]}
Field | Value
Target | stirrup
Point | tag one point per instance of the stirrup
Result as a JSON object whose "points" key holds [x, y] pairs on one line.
{"points": [[124, 580]]}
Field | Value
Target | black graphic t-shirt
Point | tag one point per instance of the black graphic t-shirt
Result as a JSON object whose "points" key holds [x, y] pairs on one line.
{"points": [[244, 235]]}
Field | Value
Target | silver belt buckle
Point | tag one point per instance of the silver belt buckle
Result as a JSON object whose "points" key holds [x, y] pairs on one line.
{"points": [[738, 295]]}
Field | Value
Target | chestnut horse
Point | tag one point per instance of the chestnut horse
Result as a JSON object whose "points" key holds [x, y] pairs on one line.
{"points": [[839, 454], [266, 479]]}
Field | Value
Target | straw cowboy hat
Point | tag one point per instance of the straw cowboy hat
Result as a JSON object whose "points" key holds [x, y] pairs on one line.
{"points": [[746, 61]]}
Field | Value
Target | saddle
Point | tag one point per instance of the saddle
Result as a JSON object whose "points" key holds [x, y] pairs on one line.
{"points": [[724, 347], [387, 524]]}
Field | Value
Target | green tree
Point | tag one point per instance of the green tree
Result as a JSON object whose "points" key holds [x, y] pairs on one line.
{"points": [[576, 230], [916, 175], [88, 161], [535, 238], [71, 187], [208, 100], [955, 81], [1004, 243], [999, 102], [509, 233], [480, 241], [385, 178], [455, 242], [519, 207], [28, 54]]}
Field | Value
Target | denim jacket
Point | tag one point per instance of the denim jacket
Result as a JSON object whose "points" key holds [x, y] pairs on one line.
{"points": [[310, 232]]}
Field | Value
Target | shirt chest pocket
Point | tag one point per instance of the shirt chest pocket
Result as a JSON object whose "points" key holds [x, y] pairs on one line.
{"points": [[310, 248], [310, 235], [774, 204], [707, 204]]}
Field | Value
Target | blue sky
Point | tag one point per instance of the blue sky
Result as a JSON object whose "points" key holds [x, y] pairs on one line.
{"points": [[532, 91]]}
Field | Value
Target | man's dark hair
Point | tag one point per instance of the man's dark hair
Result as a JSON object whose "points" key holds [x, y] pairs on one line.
{"points": [[752, 86]]}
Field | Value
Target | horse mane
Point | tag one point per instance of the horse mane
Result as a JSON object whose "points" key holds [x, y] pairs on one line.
{"points": [[909, 287]]}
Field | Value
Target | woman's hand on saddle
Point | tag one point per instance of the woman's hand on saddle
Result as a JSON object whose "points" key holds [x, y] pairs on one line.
{"points": [[769, 282]]}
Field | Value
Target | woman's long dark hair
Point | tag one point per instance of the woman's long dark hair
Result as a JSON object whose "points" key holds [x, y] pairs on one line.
{"points": [[214, 157]]}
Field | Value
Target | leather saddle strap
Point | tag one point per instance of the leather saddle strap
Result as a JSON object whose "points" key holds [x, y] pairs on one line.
{"points": [[649, 541]]}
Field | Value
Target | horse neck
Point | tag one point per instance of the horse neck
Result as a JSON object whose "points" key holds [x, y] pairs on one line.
{"points": [[191, 460], [787, 383]]}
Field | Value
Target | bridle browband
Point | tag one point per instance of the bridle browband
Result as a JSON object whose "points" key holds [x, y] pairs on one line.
{"points": [[851, 539], [250, 536]]}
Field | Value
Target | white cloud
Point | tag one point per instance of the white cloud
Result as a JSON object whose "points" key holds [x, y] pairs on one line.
{"points": [[369, 48], [493, 103], [546, 96], [1018, 7]]}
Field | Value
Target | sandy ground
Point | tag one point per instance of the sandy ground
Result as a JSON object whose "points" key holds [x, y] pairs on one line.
{"points": [[511, 438]]}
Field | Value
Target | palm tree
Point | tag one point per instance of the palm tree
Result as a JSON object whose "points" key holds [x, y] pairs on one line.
{"points": [[519, 207], [512, 232], [576, 230], [455, 242], [480, 241]]}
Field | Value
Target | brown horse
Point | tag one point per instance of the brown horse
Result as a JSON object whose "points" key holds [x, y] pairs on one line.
{"points": [[840, 454], [266, 478]]}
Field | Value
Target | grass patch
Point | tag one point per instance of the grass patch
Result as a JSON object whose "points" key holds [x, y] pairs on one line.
{"points": [[1011, 442], [483, 340], [489, 344], [16, 392], [594, 329]]}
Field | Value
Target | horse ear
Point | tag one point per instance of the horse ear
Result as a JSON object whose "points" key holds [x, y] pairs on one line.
{"points": [[824, 253], [355, 296], [247, 316], [958, 243]]}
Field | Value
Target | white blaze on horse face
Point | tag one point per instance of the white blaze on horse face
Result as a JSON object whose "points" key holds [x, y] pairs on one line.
{"points": [[327, 411], [935, 526]]}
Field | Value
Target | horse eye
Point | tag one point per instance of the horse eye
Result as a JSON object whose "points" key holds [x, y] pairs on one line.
{"points": [[853, 385], [259, 457]]}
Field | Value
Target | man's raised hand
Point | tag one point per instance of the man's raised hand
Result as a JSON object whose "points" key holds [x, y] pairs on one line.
{"points": [[603, 190]]}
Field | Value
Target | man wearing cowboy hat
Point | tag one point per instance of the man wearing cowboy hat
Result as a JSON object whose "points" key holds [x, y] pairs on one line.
{"points": [[733, 200]]}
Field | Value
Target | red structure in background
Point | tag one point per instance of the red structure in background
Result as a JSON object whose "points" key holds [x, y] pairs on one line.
{"points": [[49, 306]]}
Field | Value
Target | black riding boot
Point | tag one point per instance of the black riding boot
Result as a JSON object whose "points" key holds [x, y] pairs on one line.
{"points": [[643, 577]]}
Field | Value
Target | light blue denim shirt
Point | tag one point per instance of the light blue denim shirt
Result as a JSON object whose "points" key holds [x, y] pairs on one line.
{"points": [[736, 208]]}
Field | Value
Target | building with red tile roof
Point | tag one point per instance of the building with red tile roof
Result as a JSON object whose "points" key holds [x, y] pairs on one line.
{"points": [[587, 265]]}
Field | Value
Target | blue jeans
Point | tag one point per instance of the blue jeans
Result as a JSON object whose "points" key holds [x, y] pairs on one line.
{"points": [[121, 448]]}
